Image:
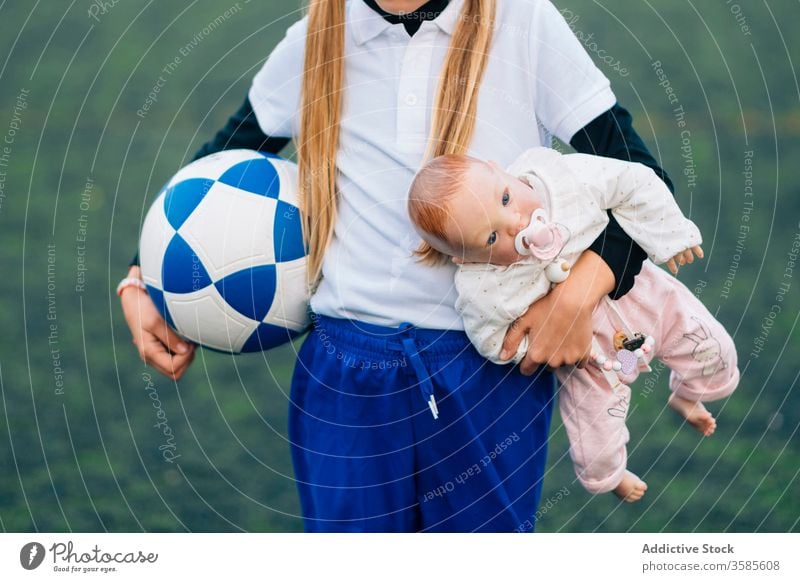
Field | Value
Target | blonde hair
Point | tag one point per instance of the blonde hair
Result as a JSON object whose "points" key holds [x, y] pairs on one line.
{"points": [[429, 196], [321, 103]]}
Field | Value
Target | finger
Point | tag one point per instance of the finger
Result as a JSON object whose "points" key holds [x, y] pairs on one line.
{"points": [[182, 361], [681, 260], [181, 369], [155, 354], [698, 250], [528, 369], [173, 342], [557, 362], [688, 256], [529, 365], [512, 340], [672, 266]]}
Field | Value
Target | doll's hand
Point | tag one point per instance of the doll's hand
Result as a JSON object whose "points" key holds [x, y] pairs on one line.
{"points": [[559, 325], [684, 257]]}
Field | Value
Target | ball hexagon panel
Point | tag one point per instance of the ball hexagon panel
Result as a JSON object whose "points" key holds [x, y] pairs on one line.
{"points": [[231, 230], [250, 291], [182, 198], [258, 176], [287, 234], [191, 313], [286, 310], [182, 270]]}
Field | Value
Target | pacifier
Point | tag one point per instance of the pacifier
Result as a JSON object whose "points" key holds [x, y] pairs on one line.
{"points": [[540, 238]]}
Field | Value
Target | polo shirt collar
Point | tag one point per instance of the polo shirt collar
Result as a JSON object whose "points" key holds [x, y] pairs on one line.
{"points": [[448, 19], [367, 24]]}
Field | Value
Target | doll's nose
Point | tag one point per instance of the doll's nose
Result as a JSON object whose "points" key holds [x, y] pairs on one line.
{"points": [[522, 223]]}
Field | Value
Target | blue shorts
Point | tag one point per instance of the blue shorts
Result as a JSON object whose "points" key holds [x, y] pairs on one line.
{"points": [[369, 455]]}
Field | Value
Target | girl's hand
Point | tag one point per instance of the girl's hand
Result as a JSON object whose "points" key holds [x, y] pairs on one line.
{"points": [[559, 325], [684, 257], [158, 345]]}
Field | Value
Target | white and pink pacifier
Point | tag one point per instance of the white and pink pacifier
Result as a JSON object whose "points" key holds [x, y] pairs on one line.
{"points": [[543, 240], [540, 238]]}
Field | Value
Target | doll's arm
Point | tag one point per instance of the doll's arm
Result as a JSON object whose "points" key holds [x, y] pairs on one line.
{"points": [[640, 201]]}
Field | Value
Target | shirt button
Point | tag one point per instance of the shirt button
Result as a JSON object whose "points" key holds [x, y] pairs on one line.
{"points": [[411, 99]]}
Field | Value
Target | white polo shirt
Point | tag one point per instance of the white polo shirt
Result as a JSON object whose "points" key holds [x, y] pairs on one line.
{"points": [[538, 81]]}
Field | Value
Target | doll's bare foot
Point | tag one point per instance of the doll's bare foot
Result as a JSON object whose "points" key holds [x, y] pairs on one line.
{"points": [[631, 488], [695, 414]]}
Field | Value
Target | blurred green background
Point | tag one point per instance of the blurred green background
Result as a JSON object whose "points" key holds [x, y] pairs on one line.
{"points": [[85, 456]]}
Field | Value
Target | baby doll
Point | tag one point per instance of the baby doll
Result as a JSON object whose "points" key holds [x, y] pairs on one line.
{"points": [[515, 233]]}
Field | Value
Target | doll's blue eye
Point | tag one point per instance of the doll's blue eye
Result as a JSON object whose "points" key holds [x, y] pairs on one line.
{"points": [[492, 239], [506, 198]]}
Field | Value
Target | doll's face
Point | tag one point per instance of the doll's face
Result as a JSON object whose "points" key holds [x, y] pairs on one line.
{"points": [[484, 218]]}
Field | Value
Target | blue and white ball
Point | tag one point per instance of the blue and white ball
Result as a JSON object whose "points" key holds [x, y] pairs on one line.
{"points": [[222, 252]]}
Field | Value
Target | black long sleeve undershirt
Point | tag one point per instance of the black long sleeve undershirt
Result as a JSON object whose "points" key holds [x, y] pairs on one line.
{"points": [[611, 134], [242, 131]]}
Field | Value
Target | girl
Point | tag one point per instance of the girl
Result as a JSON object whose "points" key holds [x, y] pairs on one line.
{"points": [[396, 422]]}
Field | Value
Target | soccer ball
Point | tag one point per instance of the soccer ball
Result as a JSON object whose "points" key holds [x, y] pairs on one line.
{"points": [[222, 252]]}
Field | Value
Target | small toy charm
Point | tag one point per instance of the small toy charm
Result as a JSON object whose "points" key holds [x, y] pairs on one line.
{"points": [[629, 353], [557, 271]]}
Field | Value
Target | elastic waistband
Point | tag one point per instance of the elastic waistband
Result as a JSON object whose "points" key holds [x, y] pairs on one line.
{"points": [[375, 340]]}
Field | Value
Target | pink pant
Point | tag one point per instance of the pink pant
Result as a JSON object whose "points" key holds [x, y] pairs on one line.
{"points": [[697, 349]]}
